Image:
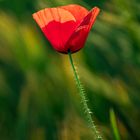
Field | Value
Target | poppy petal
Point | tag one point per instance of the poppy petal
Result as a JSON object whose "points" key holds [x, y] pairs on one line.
{"points": [[57, 24], [43, 17], [79, 36], [77, 11]]}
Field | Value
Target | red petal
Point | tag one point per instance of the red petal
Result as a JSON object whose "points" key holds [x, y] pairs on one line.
{"points": [[57, 24], [77, 11], [43, 17], [79, 36]]}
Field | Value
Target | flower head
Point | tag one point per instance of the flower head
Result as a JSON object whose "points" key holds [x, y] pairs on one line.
{"points": [[66, 27]]}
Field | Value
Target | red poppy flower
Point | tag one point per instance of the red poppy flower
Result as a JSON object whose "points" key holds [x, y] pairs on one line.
{"points": [[66, 27]]}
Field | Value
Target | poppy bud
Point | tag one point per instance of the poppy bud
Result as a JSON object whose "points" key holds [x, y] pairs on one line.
{"points": [[66, 27]]}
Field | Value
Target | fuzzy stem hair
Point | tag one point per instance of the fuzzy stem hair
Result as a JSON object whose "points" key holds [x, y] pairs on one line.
{"points": [[87, 111]]}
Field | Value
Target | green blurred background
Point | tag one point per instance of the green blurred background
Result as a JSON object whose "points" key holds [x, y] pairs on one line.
{"points": [[38, 96]]}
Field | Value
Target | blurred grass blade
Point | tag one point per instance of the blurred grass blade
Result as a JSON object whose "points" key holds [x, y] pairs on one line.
{"points": [[114, 125]]}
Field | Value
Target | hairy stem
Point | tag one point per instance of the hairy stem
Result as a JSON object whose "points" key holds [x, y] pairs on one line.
{"points": [[84, 101]]}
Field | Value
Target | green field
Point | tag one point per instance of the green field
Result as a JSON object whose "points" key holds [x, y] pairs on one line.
{"points": [[38, 96]]}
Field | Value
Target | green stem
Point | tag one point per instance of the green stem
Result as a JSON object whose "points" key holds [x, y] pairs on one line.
{"points": [[114, 125], [84, 101]]}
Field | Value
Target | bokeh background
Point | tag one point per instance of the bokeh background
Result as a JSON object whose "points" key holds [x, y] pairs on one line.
{"points": [[38, 96]]}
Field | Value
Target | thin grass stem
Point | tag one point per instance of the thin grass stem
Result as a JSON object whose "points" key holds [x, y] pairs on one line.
{"points": [[114, 125]]}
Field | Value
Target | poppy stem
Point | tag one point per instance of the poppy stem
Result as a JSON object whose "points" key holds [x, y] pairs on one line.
{"points": [[84, 101]]}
